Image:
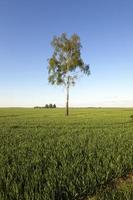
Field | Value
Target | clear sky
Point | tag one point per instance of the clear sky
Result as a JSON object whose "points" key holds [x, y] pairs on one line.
{"points": [[106, 31]]}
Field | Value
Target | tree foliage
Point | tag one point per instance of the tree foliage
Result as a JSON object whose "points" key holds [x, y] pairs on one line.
{"points": [[66, 62]]}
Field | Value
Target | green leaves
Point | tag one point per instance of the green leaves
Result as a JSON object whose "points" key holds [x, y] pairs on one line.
{"points": [[66, 59]]}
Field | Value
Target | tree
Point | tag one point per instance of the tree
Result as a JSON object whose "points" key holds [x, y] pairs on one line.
{"points": [[50, 105], [66, 63], [54, 106], [46, 106]]}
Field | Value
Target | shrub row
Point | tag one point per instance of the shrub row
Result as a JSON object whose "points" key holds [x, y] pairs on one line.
{"points": [[46, 106]]}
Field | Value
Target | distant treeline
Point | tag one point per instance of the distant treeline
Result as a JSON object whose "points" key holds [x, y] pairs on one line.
{"points": [[46, 106]]}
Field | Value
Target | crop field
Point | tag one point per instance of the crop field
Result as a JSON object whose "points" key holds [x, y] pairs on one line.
{"points": [[47, 156]]}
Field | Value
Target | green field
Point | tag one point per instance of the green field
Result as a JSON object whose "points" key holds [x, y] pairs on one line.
{"points": [[47, 156]]}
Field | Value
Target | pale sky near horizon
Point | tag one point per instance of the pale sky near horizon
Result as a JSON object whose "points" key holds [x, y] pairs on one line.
{"points": [[106, 31]]}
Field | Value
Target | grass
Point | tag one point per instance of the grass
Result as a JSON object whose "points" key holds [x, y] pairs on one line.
{"points": [[46, 156]]}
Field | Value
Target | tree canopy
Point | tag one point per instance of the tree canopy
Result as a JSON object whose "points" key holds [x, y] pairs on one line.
{"points": [[66, 60]]}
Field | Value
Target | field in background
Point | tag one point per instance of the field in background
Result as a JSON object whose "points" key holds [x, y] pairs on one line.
{"points": [[47, 156]]}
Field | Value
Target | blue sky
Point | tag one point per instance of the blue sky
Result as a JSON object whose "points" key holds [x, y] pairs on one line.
{"points": [[106, 31]]}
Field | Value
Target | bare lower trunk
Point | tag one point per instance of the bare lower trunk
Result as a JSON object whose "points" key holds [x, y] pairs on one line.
{"points": [[67, 100]]}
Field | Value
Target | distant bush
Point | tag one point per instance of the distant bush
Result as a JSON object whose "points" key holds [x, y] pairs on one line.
{"points": [[46, 106], [50, 105], [54, 106], [36, 107]]}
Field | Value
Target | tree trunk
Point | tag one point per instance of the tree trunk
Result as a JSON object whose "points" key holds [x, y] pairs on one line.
{"points": [[67, 100]]}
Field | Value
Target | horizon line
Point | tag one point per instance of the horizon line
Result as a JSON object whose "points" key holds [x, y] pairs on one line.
{"points": [[69, 107]]}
